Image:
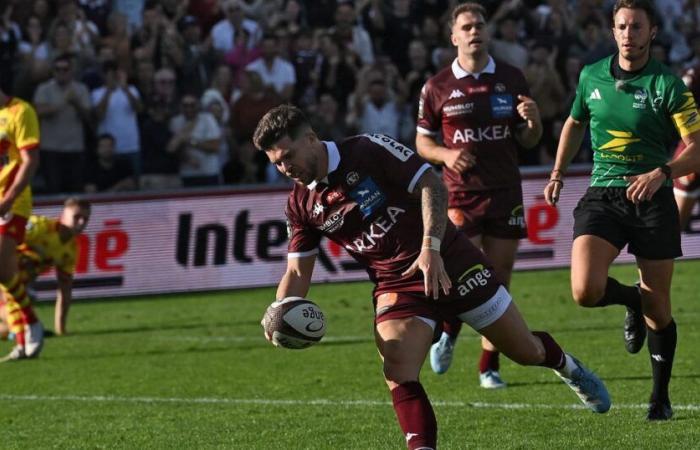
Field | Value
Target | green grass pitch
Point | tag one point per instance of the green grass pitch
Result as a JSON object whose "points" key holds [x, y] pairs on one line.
{"points": [[194, 371]]}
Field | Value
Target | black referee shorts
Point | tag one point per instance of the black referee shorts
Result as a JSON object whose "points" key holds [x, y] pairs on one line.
{"points": [[651, 228]]}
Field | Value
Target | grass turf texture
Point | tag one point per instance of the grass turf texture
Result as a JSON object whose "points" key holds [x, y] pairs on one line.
{"points": [[194, 371]]}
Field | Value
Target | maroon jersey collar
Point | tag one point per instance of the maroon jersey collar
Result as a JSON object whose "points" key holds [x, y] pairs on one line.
{"points": [[333, 162], [459, 72]]}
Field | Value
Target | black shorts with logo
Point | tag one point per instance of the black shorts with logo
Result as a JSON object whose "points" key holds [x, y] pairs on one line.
{"points": [[651, 228]]}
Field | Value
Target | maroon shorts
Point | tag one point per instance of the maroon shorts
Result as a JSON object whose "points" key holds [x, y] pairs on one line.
{"points": [[474, 285], [689, 185], [498, 213]]}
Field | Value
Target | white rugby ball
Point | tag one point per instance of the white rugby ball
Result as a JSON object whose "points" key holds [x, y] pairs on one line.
{"points": [[294, 322]]}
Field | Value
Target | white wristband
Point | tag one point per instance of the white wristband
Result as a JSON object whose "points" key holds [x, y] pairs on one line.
{"points": [[431, 242]]}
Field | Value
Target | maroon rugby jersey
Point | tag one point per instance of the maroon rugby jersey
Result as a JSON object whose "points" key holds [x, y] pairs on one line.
{"points": [[364, 205], [479, 114]]}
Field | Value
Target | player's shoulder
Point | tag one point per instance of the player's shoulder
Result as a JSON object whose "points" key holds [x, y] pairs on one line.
{"points": [[444, 75], [17, 106], [597, 68], [41, 224], [506, 69]]}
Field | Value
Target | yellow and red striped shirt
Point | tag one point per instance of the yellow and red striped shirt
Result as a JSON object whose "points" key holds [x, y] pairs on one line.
{"points": [[19, 131]]}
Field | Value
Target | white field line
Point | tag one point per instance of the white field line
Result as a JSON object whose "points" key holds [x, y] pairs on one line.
{"points": [[310, 402]]}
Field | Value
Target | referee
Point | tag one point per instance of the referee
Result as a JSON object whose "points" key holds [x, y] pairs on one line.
{"points": [[635, 107]]}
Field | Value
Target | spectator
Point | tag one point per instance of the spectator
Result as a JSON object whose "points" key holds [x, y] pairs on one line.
{"points": [[109, 173], [34, 58], [97, 12], [376, 111], [157, 39], [161, 169], [116, 105], [83, 33], [305, 59], [241, 54], [198, 57], [9, 43], [63, 107], [196, 140], [117, 37], [547, 89], [165, 92], [327, 120], [223, 32], [351, 35], [507, 46], [338, 70], [254, 102], [275, 72], [394, 24], [594, 41]]}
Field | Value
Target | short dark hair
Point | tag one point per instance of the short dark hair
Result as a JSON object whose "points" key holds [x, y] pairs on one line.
{"points": [[107, 136], [471, 7], [281, 121], [646, 5], [77, 201]]}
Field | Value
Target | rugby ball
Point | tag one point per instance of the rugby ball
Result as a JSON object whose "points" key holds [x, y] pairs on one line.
{"points": [[294, 322]]}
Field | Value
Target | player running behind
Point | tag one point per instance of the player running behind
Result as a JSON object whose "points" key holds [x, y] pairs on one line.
{"points": [[483, 109], [384, 204], [51, 243], [634, 105], [19, 159], [686, 189]]}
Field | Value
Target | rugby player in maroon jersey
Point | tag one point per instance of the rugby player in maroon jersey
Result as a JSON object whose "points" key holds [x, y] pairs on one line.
{"points": [[482, 109], [384, 204]]}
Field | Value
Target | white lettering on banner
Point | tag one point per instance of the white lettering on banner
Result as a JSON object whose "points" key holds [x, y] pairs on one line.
{"points": [[238, 240], [490, 133]]}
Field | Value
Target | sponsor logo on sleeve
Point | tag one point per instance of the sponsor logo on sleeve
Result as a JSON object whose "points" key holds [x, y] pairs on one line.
{"points": [[501, 105]]}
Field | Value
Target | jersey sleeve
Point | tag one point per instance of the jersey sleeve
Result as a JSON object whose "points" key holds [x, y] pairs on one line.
{"points": [[26, 129], [428, 117], [303, 240], [682, 108], [398, 164], [579, 110]]}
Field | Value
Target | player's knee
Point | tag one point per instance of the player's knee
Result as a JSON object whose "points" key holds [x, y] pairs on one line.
{"points": [[587, 296]]}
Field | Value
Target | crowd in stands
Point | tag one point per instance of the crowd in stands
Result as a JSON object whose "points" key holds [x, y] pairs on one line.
{"points": [[158, 94]]}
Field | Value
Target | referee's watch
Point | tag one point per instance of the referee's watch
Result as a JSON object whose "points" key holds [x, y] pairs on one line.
{"points": [[666, 170]]}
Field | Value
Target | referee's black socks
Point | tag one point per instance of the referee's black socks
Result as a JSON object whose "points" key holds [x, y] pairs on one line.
{"points": [[619, 294], [662, 348]]}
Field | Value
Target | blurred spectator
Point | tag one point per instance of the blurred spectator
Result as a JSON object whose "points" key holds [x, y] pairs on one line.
{"points": [[93, 75], [161, 169], [165, 91], [117, 38], [374, 109], [97, 12], [133, 10], [158, 39], [116, 105], [254, 102], [594, 41], [196, 139], [547, 89], [34, 57], [320, 13], [108, 173], [144, 80], [506, 45], [338, 70], [305, 59], [394, 24], [198, 56], [275, 72], [223, 32], [213, 102], [83, 33], [420, 70], [352, 35], [241, 54], [327, 121], [63, 107], [220, 91], [9, 43], [43, 10]]}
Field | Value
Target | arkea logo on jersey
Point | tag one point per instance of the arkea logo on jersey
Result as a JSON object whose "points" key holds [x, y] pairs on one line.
{"points": [[377, 229], [456, 93], [621, 139], [395, 148], [595, 95], [493, 133], [368, 196]]}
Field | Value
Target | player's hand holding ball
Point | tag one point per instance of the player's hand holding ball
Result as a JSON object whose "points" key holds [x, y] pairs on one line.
{"points": [[294, 322]]}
